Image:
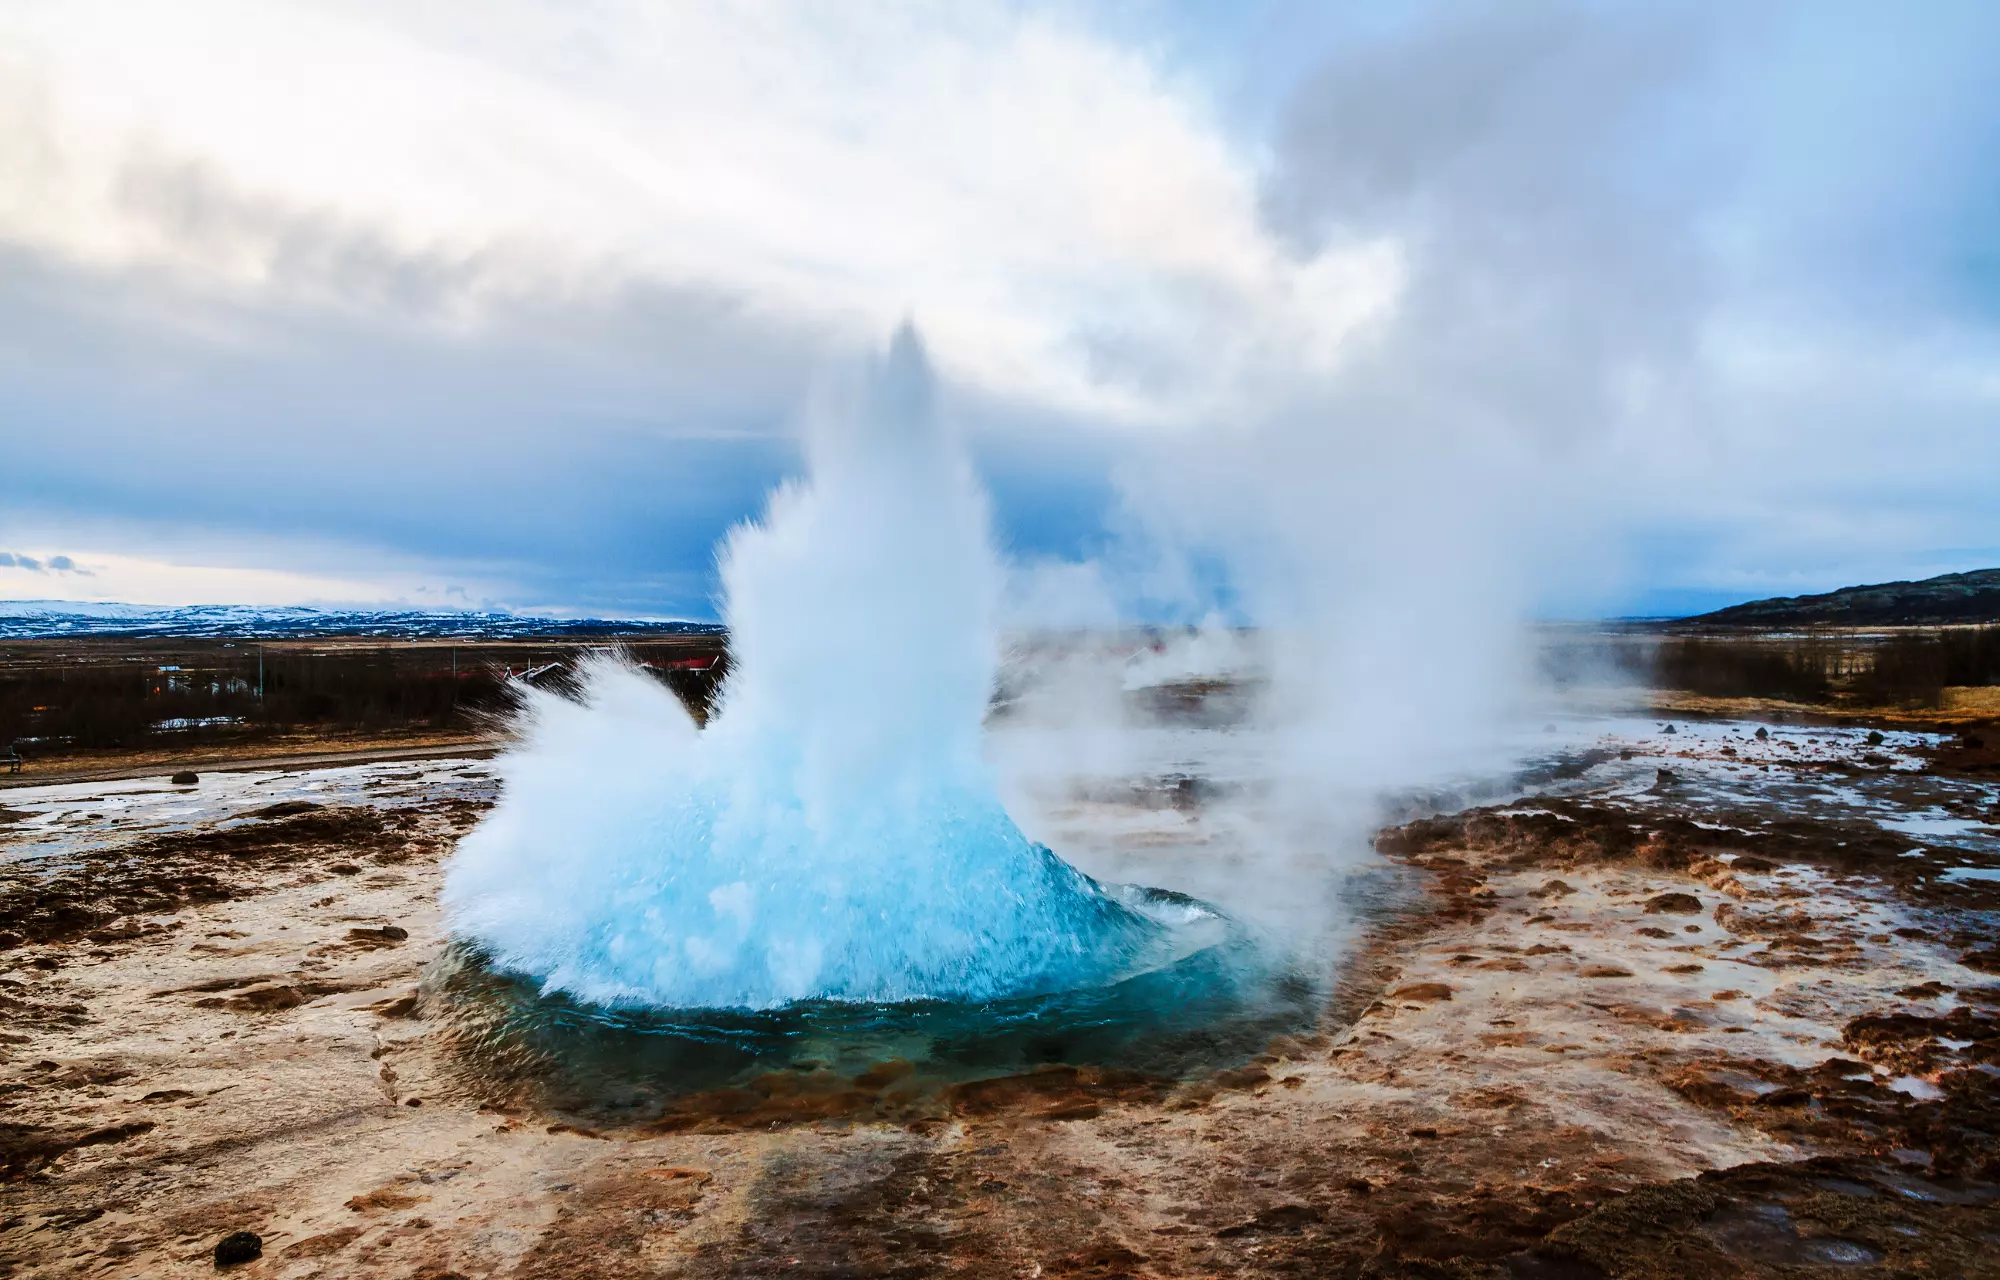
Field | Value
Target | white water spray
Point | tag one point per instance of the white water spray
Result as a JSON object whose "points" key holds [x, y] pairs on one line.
{"points": [[832, 832]]}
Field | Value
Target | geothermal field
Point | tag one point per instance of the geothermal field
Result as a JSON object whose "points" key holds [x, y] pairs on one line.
{"points": [[1710, 997], [907, 948], [999, 640]]}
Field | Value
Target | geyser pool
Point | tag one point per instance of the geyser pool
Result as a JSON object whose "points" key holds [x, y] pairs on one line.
{"points": [[832, 834], [510, 1043]]}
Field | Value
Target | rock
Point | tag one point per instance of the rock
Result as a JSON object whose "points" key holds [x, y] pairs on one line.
{"points": [[384, 1198], [271, 999], [284, 809], [1762, 733], [883, 1074], [321, 1245], [1875, 737], [1424, 992], [385, 935], [1753, 866], [1283, 1219], [1987, 961], [1680, 904], [238, 1248], [1665, 778], [1668, 729], [1552, 889], [344, 869], [1241, 1077], [400, 1007], [186, 778], [1605, 971]]}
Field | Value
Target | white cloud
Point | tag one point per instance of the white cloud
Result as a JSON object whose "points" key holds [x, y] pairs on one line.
{"points": [[1028, 190], [109, 577]]}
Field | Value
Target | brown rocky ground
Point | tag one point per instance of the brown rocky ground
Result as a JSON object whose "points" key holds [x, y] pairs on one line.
{"points": [[1608, 1041]]}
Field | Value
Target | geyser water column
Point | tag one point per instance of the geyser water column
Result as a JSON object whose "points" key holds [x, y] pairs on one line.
{"points": [[832, 833]]}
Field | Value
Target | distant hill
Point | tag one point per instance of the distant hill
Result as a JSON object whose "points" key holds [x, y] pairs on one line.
{"points": [[1948, 598]]}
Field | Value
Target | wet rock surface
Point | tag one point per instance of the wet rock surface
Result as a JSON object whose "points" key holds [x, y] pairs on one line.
{"points": [[1602, 1034]]}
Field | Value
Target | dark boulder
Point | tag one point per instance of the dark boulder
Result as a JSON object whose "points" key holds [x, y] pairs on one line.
{"points": [[185, 778], [237, 1248]]}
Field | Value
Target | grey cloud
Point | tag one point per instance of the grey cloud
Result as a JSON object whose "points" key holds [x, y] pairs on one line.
{"points": [[1595, 207], [589, 447], [54, 564]]}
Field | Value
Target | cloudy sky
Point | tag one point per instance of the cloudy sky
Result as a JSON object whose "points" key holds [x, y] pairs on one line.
{"points": [[1628, 308]]}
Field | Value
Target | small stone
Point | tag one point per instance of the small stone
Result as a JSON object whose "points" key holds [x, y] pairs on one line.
{"points": [[1552, 889], [1665, 777], [1762, 734], [344, 869], [1874, 737], [1606, 971], [238, 1248], [187, 778]]}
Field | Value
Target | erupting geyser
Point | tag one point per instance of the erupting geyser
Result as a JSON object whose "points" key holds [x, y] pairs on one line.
{"points": [[833, 832]]}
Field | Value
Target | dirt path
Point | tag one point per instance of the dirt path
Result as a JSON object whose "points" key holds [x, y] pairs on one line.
{"points": [[299, 755]]}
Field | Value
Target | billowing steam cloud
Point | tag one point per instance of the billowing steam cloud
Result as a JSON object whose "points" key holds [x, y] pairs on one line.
{"points": [[833, 831]]}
